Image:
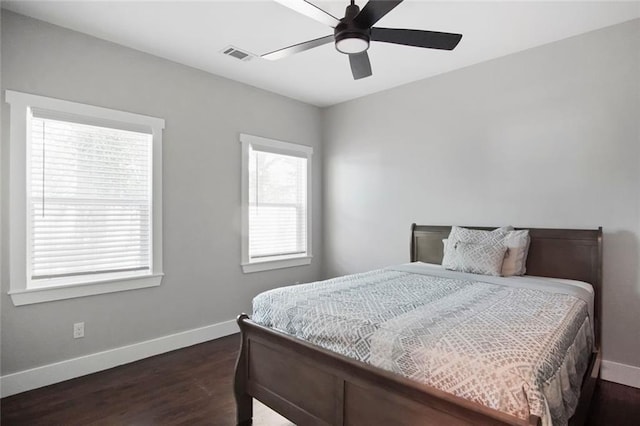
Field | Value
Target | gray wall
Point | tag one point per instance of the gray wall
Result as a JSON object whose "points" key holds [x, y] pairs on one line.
{"points": [[548, 137], [204, 115]]}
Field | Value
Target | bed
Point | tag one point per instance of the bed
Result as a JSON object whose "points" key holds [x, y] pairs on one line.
{"points": [[312, 385]]}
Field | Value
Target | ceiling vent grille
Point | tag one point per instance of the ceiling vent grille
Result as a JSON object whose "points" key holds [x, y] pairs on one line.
{"points": [[234, 52]]}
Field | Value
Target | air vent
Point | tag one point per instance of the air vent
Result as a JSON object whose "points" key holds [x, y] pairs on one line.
{"points": [[237, 53]]}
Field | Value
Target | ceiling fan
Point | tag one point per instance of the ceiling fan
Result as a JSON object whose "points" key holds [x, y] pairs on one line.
{"points": [[353, 33]]}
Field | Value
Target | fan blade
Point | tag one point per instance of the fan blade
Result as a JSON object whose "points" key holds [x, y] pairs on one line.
{"points": [[373, 11], [311, 10], [360, 65], [418, 38], [297, 48]]}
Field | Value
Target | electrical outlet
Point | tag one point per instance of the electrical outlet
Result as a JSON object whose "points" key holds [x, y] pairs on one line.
{"points": [[78, 330]]}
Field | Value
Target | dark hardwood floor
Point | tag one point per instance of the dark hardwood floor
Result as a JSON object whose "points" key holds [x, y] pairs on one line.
{"points": [[193, 386]]}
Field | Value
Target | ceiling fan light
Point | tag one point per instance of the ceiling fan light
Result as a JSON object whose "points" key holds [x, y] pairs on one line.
{"points": [[352, 45]]}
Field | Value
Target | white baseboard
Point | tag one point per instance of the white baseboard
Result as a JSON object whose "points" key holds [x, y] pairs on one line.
{"points": [[22, 381], [620, 373]]}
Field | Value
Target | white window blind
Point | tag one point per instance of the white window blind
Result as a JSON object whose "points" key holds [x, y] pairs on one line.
{"points": [[89, 199], [277, 204]]}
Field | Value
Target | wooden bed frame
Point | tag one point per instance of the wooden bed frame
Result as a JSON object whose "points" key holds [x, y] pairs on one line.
{"points": [[310, 385]]}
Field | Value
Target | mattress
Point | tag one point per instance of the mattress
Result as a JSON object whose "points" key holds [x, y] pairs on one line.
{"points": [[520, 345]]}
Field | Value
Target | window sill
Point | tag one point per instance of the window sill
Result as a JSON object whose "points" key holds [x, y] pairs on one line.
{"points": [[266, 265], [71, 291]]}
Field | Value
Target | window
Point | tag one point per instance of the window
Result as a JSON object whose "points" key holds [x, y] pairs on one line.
{"points": [[86, 204], [276, 194]]}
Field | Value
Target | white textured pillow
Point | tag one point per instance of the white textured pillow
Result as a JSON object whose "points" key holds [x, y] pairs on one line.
{"points": [[485, 259], [484, 238], [515, 260]]}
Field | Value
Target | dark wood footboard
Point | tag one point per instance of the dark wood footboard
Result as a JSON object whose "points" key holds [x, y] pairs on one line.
{"points": [[312, 386]]}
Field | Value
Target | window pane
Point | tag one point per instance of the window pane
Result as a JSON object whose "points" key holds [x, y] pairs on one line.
{"points": [[277, 204], [90, 199]]}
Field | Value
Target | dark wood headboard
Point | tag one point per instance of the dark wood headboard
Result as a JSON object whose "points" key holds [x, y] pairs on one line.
{"points": [[574, 254]]}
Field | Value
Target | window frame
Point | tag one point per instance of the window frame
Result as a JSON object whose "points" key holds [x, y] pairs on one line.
{"points": [[19, 141], [273, 262]]}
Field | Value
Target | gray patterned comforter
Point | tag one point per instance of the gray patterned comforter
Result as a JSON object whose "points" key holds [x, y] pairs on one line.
{"points": [[518, 349]]}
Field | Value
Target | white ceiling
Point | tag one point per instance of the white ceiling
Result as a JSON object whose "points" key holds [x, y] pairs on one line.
{"points": [[193, 33]]}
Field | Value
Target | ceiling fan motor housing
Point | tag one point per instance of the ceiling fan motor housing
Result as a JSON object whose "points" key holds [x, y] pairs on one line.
{"points": [[350, 38]]}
